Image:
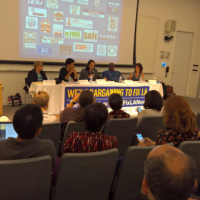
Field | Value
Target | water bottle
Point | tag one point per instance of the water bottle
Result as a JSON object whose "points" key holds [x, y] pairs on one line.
{"points": [[91, 79], [120, 79], [70, 79], [141, 79]]}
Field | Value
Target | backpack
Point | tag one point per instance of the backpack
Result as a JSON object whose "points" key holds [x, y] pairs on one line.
{"points": [[15, 100], [167, 90]]}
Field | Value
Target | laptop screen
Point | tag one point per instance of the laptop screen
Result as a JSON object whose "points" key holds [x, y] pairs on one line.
{"points": [[6, 131]]}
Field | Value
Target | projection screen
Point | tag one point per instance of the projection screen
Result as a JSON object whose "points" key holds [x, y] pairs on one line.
{"points": [[53, 30]]}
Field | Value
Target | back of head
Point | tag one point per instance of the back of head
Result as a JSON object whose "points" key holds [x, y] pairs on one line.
{"points": [[36, 63], [115, 101], [86, 98], [95, 116], [178, 115], [27, 120], [153, 100], [69, 61], [41, 99], [170, 175], [87, 67]]}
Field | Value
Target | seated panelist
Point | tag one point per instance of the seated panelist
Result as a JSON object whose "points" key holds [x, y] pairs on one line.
{"points": [[36, 74], [68, 71], [137, 74], [111, 74], [90, 71]]}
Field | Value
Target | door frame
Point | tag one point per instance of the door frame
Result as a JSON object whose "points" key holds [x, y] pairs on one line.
{"points": [[190, 59]]}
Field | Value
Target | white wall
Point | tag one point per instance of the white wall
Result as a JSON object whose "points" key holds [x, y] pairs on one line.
{"points": [[187, 14]]}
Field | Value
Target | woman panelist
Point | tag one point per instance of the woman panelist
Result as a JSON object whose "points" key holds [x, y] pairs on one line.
{"points": [[35, 75], [135, 76]]}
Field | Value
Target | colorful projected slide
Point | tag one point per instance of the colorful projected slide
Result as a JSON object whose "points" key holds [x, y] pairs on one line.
{"points": [[81, 29]]}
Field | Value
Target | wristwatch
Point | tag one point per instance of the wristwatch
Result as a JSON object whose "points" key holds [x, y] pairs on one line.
{"points": [[72, 102]]}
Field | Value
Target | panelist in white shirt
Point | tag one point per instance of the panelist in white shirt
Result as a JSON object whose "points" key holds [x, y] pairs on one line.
{"points": [[90, 71]]}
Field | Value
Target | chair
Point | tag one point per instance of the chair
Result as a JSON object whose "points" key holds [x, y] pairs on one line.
{"points": [[86, 175], [149, 127], [128, 181], [198, 119], [124, 130], [192, 148], [51, 131], [72, 126], [26, 93], [28, 178]]}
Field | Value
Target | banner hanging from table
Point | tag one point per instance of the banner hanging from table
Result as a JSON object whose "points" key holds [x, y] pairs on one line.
{"points": [[132, 96]]}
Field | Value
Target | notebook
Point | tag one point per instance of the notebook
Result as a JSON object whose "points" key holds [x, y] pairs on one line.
{"points": [[7, 130]]}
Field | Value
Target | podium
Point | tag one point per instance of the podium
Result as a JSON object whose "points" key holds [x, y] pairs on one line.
{"points": [[1, 108]]}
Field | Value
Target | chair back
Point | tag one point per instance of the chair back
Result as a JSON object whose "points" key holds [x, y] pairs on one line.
{"points": [[123, 129], [51, 131], [130, 173], [86, 175], [192, 148], [72, 126], [149, 127], [198, 119], [28, 178]]}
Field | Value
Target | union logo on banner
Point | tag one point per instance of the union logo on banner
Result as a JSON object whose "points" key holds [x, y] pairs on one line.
{"points": [[97, 3], [112, 24], [32, 22], [58, 16], [45, 26], [52, 3], [57, 29]]}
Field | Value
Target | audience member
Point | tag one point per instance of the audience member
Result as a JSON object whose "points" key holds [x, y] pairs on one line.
{"points": [[27, 122], [41, 99], [35, 75], [137, 74], [168, 174], [153, 105], [84, 99], [115, 102], [68, 71], [111, 74], [94, 118], [90, 71], [179, 121]]}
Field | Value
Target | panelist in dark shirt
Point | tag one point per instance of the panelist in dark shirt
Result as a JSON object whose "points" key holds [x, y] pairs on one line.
{"points": [[68, 71], [111, 74], [35, 75], [90, 71]]}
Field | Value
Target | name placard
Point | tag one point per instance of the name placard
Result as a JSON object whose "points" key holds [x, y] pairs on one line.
{"points": [[83, 82], [152, 82], [49, 82], [128, 81], [101, 81]]}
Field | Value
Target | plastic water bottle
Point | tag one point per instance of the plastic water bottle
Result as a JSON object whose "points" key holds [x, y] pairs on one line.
{"points": [[120, 79], [70, 79], [91, 79], [141, 79]]}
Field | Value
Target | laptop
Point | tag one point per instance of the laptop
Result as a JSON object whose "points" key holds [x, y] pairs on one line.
{"points": [[7, 130]]}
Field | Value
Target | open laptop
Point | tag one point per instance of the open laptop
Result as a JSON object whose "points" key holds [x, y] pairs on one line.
{"points": [[7, 130]]}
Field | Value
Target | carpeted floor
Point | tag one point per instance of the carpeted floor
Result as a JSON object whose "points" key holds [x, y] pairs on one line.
{"points": [[9, 111]]}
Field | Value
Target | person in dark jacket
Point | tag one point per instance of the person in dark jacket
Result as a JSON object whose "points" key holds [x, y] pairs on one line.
{"points": [[68, 71], [35, 75], [90, 71]]}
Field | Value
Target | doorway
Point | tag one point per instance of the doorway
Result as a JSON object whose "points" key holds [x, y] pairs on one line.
{"points": [[182, 60]]}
